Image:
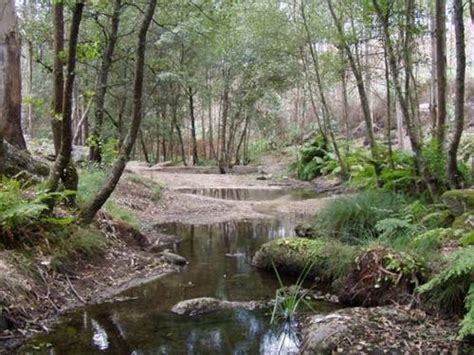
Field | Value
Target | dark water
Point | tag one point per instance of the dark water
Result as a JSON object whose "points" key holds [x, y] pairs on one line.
{"points": [[219, 258], [241, 194]]}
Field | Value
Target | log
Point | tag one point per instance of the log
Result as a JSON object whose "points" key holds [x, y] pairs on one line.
{"points": [[20, 161]]}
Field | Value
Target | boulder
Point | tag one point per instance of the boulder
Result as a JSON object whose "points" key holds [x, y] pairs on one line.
{"points": [[20, 161], [291, 255], [459, 201], [203, 305], [377, 330], [465, 221]]}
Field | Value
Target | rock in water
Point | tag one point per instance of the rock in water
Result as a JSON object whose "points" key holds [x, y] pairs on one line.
{"points": [[173, 258], [205, 305]]}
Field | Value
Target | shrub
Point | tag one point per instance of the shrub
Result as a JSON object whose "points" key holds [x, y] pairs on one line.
{"points": [[15, 209], [353, 219], [453, 287], [315, 160]]}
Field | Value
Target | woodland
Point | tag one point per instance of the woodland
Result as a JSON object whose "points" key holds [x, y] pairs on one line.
{"points": [[119, 119]]}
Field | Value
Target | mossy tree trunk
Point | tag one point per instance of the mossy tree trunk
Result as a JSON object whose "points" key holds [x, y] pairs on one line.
{"points": [[58, 75], [88, 212]]}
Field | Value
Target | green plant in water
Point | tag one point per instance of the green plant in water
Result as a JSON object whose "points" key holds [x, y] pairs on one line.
{"points": [[289, 299]]}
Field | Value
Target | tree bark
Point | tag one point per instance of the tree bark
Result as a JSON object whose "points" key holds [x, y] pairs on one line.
{"points": [[193, 126], [58, 75], [383, 15], [63, 159], [88, 212], [102, 81], [10, 76], [459, 97], [441, 72], [359, 83]]}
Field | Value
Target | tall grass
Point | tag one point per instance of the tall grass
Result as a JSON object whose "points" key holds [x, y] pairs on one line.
{"points": [[353, 219]]}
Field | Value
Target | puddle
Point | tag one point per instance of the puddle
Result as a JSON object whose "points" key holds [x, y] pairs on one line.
{"points": [[245, 194], [219, 258]]}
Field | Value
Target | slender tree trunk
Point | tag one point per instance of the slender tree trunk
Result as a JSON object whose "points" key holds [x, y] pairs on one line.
{"points": [[63, 159], [326, 110], [389, 109], [58, 81], [90, 209], [360, 85], [10, 90], [453, 173], [441, 72], [102, 81], [193, 126], [383, 15], [30, 87], [225, 111], [433, 81]]}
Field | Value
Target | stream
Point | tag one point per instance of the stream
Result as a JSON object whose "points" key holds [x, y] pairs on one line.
{"points": [[219, 265]]}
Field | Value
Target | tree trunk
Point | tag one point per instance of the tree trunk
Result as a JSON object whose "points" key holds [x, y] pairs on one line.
{"points": [[102, 81], [58, 76], [356, 70], [383, 15], [90, 209], [225, 112], [63, 159], [10, 76], [193, 126], [441, 72], [389, 109], [326, 110], [453, 174]]}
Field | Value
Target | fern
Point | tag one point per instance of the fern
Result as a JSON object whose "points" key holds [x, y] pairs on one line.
{"points": [[467, 324], [455, 284]]}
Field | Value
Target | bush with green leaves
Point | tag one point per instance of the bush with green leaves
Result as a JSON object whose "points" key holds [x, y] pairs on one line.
{"points": [[353, 219], [453, 288], [315, 160]]}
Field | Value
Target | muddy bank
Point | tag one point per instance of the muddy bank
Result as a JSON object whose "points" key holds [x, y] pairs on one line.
{"points": [[33, 294]]}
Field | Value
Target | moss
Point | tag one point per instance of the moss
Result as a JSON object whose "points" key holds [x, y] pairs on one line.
{"points": [[459, 201], [438, 219], [464, 221], [331, 259], [468, 239], [434, 239]]}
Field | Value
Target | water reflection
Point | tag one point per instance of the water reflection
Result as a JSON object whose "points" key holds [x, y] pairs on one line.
{"points": [[245, 194], [219, 258]]}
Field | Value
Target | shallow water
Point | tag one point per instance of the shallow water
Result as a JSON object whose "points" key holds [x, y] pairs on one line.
{"points": [[254, 194], [219, 257]]}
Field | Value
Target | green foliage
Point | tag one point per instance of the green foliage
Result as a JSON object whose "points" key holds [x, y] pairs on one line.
{"points": [[315, 160], [468, 239], [110, 151], [353, 219], [260, 147], [21, 207], [15, 209], [453, 287], [91, 180], [288, 299]]}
